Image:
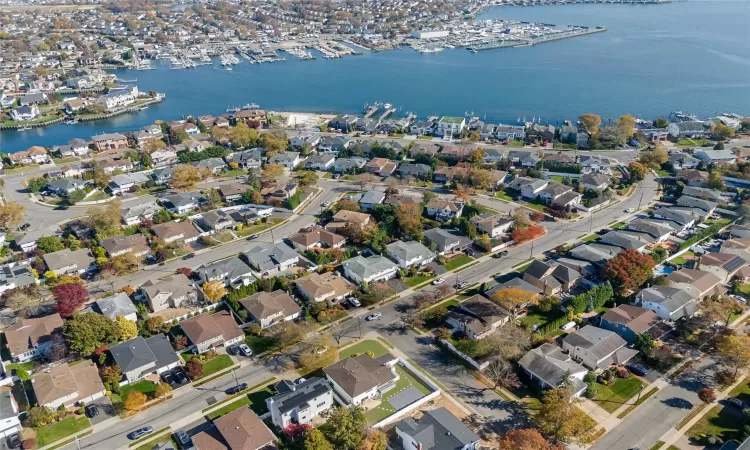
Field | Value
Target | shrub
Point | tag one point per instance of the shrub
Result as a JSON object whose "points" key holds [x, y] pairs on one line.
{"points": [[28, 443]]}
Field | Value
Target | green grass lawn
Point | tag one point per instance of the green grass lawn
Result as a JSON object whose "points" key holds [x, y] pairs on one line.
{"points": [[254, 229], [363, 347], [255, 400], [159, 440], [719, 421], [458, 261], [259, 344], [212, 366], [232, 173], [224, 236], [144, 387], [616, 394], [682, 259], [431, 324], [515, 143], [64, 428], [557, 178], [502, 195], [413, 281], [536, 317], [664, 173], [691, 142], [591, 238], [385, 409], [424, 138], [24, 168], [149, 191], [619, 226], [66, 160], [744, 289], [27, 366], [96, 196], [535, 206]]}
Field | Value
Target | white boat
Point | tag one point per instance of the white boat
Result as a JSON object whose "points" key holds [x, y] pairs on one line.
{"points": [[228, 68], [23, 128]]}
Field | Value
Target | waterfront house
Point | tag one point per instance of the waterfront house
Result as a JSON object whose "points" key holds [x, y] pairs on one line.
{"points": [[299, 402], [269, 308], [509, 132], [183, 202], [422, 128], [33, 155], [253, 118], [24, 113], [109, 141], [240, 429], [33, 98], [344, 123], [327, 286], [628, 321], [597, 348], [409, 253], [183, 231], [494, 225], [208, 331], [538, 132], [68, 261], [170, 292], [690, 129], [28, 339], [437, 429], [232, 272], [66, 385], [139, 357], [477, 317], [116, 99], [443, 209], [247, 159], [569, 133], [320, 162], [450, 126], [447, 241], [121, 244], [268, 259], [75, 147], [668, 302], [360, 378], [550, 366], [139, 213], [115, 306], [370, 269]]}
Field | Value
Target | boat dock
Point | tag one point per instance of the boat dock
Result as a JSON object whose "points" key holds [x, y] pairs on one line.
{"points": [[578, 31]]}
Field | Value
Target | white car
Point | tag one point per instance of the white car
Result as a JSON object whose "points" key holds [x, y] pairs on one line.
{"points": [[355, 302], [438, 281], [325, 204], [630, 210], [373, 316], [245, 350]]}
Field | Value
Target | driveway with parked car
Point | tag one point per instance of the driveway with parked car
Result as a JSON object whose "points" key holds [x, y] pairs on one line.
{"points": [[176, 377], [100, 410]]}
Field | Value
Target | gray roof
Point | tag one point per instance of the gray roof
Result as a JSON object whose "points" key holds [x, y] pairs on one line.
{"points": [[146, 209], [254, 154], [283, 157], [550, 363], [600, 342], [293, 395], [670, 297], [183, 199], [267, 256], [66, 184], [18, 274], [593, 254], [108, 136], [443, 237], [319, 159], [369, 197], [116, 305], [234, 267], [408, 250], [704, 193], [126, 178], [81, 258], [594, 179], [438, 429], [650, 227], [29, 237], [349, 163], [132, 354], [519, 283], [210, 163], [162, 350], [627, 239], [163, 173], [364, 267], [414, 169], [675, 215], [214, 217], [692, 202]]}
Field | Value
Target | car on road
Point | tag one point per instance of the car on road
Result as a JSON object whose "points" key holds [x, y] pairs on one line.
{"points": [[181, 377], [630, 210], [337, 176], [241, 177], [638, 369], [354, 301], [373, 316], [92, 410], [325, 204], [500, 254], [236, 389], [140, 432], [24, 227], [438, 281], [189, 256], [14, 440], [252, 237], [737, 403], [245, 350], [183, 439], [461, 284]]}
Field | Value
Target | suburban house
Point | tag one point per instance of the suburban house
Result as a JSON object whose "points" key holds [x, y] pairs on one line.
{"points": [[704, 193], [551, 278], [669, 303], [444, 209], [539, 132], [349, 165], [270, 308], [724, 265], [549, 365], [692, 177], [659, 231], [409, 253], [327, 286], [299, 402], [299, 141], [162, 175], [703, 282], [28, 339], [523, 159], [689, 129], [68, 385], [685, 220], [216, 220], [33, 155], [110, 141], [528, 187], [509, 132], [74, 147], [383, 167], [240, 429], [423, 148], [447, 241], [597, 163], [332, 144], [183, 202], [359, 378], [247, 159], [115, 306], [16, 274], [372, 268], [628, 321], [267, 259], [287, 159], [400, 200], [628, 240], [26, 242], [444, 174], [183, 231], [24, 113], [137, 214], [163, 156], [597, 348], [420, 171], [110, 165], [170, 292], [450, 126], [493, 155], [706, 206], [437, 429], [121, 244], [317, 237], [476, 317], [279, 192], [207, 331], [69, 261], [320, 162], [230, 271], [368, 200], [716, 156], [344, 217], [120, 184], [66, 186], [680, 160], [553, 190], [139, 357], [594, 181], [232, 191]]}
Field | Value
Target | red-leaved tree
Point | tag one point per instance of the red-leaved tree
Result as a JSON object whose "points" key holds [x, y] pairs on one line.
{"points": [[188, 272], [69, 297], [526, 234], [537, 216], [628, 270]]}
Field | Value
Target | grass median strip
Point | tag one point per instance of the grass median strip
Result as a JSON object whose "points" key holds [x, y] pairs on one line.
{"points": [[240, 394], [694, 412], [643, 398], [70, 441], [658, 445], [255, 400], [151, 437]]}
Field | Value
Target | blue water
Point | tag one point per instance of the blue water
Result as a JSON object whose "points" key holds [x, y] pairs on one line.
{"points": [[692, 56]]}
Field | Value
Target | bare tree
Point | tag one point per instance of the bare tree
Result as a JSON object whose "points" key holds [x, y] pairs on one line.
{"points": [[501, 372]]}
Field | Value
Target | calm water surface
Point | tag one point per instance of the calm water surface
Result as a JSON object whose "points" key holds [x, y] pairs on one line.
{"points": [[692, 56]]}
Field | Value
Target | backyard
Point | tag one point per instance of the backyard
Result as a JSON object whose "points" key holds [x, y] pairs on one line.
{"points": [[536, 318], [683, 258], [619, 391], [56, 431]]}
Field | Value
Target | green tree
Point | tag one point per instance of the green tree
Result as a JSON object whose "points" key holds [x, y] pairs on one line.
{"points": [[345, 428], [661, 122], [22, 374], [560, 419], [644, 343], [85, 332], [637, 171], [307, 178], [36, 184], [39, 416], [624, 128], [50, 244], [721, 132], [76, 196], [315, 440], [715, 181], [590, 123], [243, 136]]}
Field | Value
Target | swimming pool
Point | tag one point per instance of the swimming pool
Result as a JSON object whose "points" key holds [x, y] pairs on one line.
{"points": [[663, 270]]}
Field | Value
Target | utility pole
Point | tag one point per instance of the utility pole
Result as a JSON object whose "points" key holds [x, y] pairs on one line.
{"points": [[591, 222], [639, 393], [531, 251], [236, 382]]}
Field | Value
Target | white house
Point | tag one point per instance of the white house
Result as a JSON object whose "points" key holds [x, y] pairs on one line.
{"points": [[409, 253], [373, 268], [299, 402], [450, 126], [597, 348]]}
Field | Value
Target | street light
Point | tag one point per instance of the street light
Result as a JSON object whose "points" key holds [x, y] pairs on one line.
{"points": [[639, 393]]}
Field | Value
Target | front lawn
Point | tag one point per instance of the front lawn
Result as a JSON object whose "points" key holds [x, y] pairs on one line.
{"points": [[149, 191], [232, 173], [691, 142], [144, 387], [515, 143], [457, 261], [591, 238], [255, 400], [260, 344], [96, 196], [159, 440], [413, 281], [375, 347], [535, 206], [663, 173], [255, 229], [502, 195], [719, 421], [223, 236], [59, 430], [212, 366], [617, 393]]}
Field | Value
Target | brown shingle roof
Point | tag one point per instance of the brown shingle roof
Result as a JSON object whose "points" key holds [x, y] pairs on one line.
{"points": [[318, 235], [26, 334], [266, 304], [63, 380], [357, 375], [239, 430], [169, 230], [209, 326], [634, 317]]}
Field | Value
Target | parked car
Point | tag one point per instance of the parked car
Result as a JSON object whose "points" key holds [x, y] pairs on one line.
{"points": [[140, 432], [355, 302], [169, 379], [92, 410], [241, 177], [183, 439], [236, 389], [252, 237], [461, 284], [438, 281], [24, 227], [638, 369], [737, 403], [325, 204], [630, 210], [189, 256], [500, 254], [373, 316], [14, 440], [181, 377], [245, 350]]}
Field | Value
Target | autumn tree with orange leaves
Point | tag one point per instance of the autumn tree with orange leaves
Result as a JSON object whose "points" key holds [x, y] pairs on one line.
{"points": [[525, 439], [628, 270], [513, 299]]}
